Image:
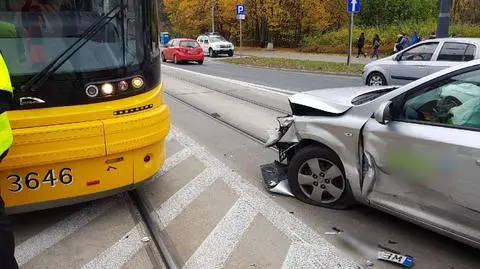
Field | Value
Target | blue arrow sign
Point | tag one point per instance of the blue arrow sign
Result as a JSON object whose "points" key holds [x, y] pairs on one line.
{"points": [[353, 6], [240, 9]]}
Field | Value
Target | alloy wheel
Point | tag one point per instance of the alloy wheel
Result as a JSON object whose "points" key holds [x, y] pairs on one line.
{"points": [[375, 80], [321, 180]]}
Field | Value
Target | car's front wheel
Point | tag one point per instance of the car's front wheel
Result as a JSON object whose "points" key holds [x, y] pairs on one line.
{"points": [[316, 177], [163, 58], [376, 79], [200, 62], [212, 53], [230, 53]]}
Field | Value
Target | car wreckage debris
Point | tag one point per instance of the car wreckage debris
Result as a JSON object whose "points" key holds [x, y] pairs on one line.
{"points": [[275, 178]]}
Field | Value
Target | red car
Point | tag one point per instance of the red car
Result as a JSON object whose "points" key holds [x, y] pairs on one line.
{"points": [[183, 50]]}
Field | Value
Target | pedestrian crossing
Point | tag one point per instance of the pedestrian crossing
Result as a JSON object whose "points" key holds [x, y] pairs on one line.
{"points": [[212, 216]]}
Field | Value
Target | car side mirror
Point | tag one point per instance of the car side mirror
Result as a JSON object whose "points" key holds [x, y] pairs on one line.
{"points": [[398, 57], [383, 114]]}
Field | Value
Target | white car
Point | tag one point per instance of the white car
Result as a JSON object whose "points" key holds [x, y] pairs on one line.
{"points": [[214, 44], [420, 60]]}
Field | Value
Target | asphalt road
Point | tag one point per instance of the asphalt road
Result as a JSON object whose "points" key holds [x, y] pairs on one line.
{"points": [[293, 81]]}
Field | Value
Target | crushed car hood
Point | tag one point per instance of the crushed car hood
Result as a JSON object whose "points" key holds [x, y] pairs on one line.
{"points": [[335, 100]]}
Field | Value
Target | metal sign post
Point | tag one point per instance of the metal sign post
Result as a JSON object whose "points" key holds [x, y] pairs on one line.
{"points": [[350, 40], [241, 16], [353, 6], [240, 35]]}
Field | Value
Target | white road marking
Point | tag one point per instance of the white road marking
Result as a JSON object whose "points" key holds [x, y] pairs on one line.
{"points": [[55, 233], [297, 231], [170, 136], [239, 82], [170, 209], [173, 161], [303, 256], [120, 253], [215, 250]]}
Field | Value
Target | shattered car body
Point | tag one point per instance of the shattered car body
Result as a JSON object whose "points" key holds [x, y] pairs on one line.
{"points": [[413, 151]]}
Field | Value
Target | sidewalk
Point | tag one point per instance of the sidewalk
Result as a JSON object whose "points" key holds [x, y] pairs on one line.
{"points": [[304, 56]]}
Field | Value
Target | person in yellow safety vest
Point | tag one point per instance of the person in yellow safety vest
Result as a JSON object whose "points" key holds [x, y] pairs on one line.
{"points": [[7, 242]]}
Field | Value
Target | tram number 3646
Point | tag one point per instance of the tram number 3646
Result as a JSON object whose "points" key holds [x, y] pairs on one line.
{"points": [[33, 180]]}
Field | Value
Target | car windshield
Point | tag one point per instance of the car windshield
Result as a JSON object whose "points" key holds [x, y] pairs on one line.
{"points": [[34, 33], [217, 39], [189, 44]]}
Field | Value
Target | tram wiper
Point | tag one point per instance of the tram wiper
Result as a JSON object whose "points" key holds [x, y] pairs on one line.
{"points": [[41, 77]]}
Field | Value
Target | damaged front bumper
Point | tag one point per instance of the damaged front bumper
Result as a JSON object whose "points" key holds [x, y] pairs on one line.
{"points": [[284, 139]]}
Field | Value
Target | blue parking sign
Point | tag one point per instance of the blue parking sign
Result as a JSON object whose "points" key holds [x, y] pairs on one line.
{"points": [[353, 6], [240, 9]]}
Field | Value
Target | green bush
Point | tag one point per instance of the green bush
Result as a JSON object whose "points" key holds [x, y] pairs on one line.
{"points": [[390, 12], [337, 41]]}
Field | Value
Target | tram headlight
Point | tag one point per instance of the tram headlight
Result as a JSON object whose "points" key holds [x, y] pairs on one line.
{"points": [[137, 82], [107, 89], [123, 85], [113, 88], [92, 91]]}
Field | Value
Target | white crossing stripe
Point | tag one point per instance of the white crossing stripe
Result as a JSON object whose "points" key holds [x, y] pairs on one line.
{"points": [[170, 136], [173, 161], [120, 253], [54, 234], [215, 250], [303, 256], [171, 208]]}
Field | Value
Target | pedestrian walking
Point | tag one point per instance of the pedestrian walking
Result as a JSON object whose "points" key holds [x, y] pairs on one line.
{"points": [[415, 38], [361, 45], [398, 46], [376, 46], [405, 42], [7, 241]]}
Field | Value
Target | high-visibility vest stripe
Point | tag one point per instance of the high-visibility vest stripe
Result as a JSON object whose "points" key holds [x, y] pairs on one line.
{"points": [[6, 135]]}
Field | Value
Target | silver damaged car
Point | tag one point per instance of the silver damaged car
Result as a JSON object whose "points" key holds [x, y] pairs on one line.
{"points": [[412, 151]]}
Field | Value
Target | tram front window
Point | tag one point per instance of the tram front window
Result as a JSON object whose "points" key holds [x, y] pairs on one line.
{"points": [[35, 32]]}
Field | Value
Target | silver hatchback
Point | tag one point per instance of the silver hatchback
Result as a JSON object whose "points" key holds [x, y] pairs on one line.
{"points": [[420, 60], [413, 151]]}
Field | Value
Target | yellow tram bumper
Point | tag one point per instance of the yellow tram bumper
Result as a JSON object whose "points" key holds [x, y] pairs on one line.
{"points": [[71, 154]]}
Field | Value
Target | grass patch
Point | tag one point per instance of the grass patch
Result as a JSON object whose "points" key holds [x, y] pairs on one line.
{"points": [[293, 64]]}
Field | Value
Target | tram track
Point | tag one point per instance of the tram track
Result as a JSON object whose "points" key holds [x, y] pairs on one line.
{"points": [[232, 93]]}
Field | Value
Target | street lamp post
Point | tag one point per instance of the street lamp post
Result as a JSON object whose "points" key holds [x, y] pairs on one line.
{"points": [[444, 18], [213, 16]]}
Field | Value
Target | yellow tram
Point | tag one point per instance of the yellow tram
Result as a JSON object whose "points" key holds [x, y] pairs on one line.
{"points": [[88, 115]]}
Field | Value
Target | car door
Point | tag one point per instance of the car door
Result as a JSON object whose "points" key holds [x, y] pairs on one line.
{"points": [[453, 53], [426, 160], [413, 63]]}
